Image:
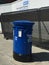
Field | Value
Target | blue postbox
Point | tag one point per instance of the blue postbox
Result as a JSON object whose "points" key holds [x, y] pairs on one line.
{"points": [[22, 39]]}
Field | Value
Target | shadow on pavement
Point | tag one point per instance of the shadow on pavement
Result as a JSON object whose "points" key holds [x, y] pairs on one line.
{"points": [[39, 57]]}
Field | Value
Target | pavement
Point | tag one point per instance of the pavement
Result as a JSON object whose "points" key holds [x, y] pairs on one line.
{"points": [[40, 56]]}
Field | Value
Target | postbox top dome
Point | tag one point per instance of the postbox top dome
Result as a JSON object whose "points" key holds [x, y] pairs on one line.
{"points": [[23, 22]]}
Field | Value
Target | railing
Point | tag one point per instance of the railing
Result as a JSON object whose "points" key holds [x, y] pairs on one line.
{"points": [[39, 15]]}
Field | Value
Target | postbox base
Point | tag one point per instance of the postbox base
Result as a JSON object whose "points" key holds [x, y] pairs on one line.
{"points": [[22, 58]]}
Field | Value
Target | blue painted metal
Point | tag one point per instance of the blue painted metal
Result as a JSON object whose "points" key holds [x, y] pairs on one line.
{"points": [[22, 32]]}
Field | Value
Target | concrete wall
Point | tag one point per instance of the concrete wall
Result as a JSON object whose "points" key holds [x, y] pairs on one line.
{"points": [[18, 5], [5, 8]]}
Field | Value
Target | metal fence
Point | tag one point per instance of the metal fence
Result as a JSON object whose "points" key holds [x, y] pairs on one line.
{"points": [[7, 30], [44, 41], [40, 31]]}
